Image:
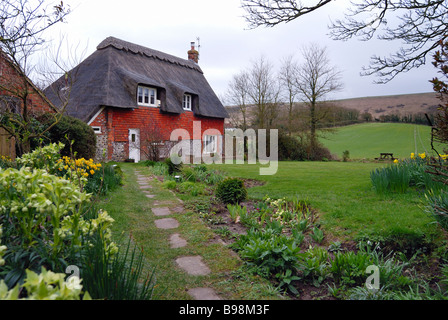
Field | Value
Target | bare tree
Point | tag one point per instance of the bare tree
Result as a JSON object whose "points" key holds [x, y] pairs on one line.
{"points": [[421, 25], [264, 92], [22, 24], [287, 80], [315, 78], [237, 96]]}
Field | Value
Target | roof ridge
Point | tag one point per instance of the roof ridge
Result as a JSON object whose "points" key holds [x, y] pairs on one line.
{"points": [[145, 51]]}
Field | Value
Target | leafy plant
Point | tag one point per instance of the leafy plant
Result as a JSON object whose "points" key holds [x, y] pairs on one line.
{"points": [[348, 268], [173, 166], [45, 285], [313, 265], [267, 250], [317, 235], [231, 191]]}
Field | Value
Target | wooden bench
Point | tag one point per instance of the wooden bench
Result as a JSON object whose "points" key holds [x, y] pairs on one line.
{"points": [[386, 156]]}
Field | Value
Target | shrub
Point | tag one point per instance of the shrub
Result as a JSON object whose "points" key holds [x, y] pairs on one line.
{"points": [[231, 190], [289, 148], [72, 129], [43, 223], [345, 156], [173, 166]]}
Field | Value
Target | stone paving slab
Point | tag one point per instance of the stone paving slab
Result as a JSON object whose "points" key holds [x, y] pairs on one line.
{"points": [[163, 211], [193, 265], [203, 294], [167, 223], [176, 241]]}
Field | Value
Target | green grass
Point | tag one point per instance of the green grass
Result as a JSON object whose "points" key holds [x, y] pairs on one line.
{"points": [[131, 210], [368, 140], [342, 192]]}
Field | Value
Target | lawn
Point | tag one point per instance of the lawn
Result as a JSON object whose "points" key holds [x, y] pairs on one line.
{"points": [[131, 210], [348, 208], [368, 140], [343, 194]]}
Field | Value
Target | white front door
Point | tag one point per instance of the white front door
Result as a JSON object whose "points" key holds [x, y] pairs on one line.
{"points": [[134, 144]]}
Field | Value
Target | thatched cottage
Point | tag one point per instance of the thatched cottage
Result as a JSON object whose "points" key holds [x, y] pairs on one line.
{"points": [[134, 97]]}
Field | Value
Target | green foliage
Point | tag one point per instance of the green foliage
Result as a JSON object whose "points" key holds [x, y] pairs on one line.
{"points": [[231, 190], [346, 155], [173, 166], [160, 169], [192, 188], [289, 148], [200, 173], [393, 178], [268, 251], [105, 180], [69, 129], [46, 285], [170, 184], [313, 265], [410, 172], [437, 207], [42, 158], [116, 276], [348, 268], [317, 235]]}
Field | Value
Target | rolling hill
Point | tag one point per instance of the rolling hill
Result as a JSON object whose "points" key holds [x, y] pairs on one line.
{"points": [[403, 104]]}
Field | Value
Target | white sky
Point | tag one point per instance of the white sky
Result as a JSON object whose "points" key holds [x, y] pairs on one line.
{"points": [[227, 45]]}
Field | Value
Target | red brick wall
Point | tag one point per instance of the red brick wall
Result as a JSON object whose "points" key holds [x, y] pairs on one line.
{"points": [[115, 123], [11, 84]]}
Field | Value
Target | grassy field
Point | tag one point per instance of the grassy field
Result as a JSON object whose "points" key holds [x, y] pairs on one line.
{"points": [[368, 140], [343, 194]]}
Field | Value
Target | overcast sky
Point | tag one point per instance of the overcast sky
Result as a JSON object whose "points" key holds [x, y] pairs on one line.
{"points": [[227, 46]]}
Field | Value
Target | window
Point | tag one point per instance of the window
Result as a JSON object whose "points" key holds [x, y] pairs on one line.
{"points": [[147, 96], [210, 144], [97, 130], [187, 102]]}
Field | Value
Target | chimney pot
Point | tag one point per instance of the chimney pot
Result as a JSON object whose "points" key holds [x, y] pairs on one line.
{"points": [[193, 54]]}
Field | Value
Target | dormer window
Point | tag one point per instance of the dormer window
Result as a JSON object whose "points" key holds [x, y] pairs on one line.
{"points": [[147, 96], [187, 103]]}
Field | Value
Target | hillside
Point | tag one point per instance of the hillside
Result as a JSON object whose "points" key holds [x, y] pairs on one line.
{"points": [[404, 104]]}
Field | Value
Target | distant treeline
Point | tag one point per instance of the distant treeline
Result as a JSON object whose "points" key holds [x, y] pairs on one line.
{"points": [[335, 116]]}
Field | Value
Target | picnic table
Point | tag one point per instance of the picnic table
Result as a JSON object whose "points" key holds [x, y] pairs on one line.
{"points": [[386, 156]]}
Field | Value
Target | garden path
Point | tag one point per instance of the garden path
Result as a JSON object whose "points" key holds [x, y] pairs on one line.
{"points": [[192, 265]]}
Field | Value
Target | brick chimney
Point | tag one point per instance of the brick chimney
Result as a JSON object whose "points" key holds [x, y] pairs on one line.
{"points": [[193, 54]]}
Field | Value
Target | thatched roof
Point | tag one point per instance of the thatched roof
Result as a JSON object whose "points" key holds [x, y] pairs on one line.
{"points": [[110, 77]]}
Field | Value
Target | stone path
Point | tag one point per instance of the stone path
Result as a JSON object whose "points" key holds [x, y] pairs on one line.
{"points": [[192, 265]]}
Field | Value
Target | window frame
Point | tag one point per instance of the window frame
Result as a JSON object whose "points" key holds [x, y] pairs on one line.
{"points": [[187, 102], [210, 140], [142, 97], [97, 129]]}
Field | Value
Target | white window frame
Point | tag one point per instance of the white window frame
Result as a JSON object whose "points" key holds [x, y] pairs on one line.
{"points": [[210, 144], [147, 96], [187, 102], [97, 130]]}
